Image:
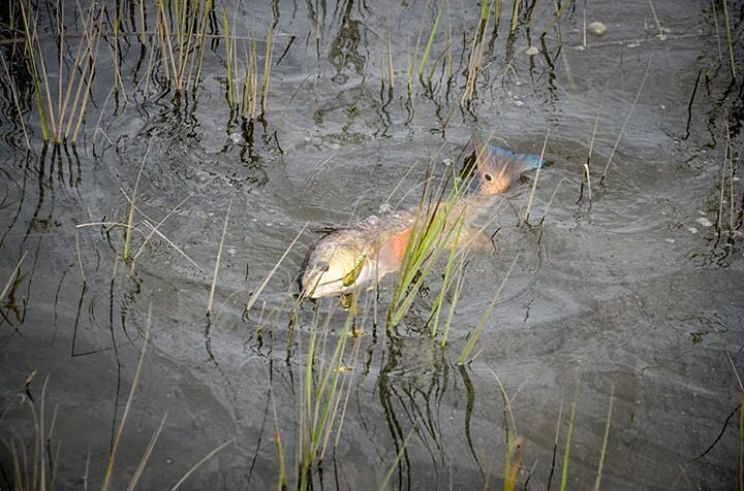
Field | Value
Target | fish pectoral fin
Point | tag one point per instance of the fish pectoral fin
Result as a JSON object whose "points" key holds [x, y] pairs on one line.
{"points": [[353, 275], [476, 238]]}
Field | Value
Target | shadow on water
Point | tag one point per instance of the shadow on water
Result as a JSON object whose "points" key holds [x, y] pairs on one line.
{"points": [[150, 254]]}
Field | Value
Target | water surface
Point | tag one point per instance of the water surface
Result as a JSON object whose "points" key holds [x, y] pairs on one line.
{"points": [[626, 289]]}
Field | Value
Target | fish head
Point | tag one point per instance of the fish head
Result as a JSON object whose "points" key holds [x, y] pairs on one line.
{"points": [[494, 176], [498, 167], [335, 266]]}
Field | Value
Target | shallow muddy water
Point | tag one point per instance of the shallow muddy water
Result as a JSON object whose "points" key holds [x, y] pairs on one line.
{"points": [[625, 303]]}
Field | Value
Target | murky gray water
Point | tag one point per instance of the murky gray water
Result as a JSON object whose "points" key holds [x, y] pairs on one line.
{"points": [[627, 290]]}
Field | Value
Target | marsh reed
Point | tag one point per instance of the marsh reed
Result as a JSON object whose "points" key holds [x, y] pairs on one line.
{"points": [[181, 35], [477, 49], [255, 91], [62, 111]]}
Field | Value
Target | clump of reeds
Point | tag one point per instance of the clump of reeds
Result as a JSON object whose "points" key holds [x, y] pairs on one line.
{"points": [[324, 395], [426, 79], [452, 281], [181, 34], [727, 217], [254, 94], [475, 61], [62, 109], [514, 458], [439, 226], [418, 67], [326, 382], [35, 469], [729, 41]]}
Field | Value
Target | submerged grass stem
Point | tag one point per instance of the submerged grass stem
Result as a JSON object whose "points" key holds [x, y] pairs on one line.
{"points": [[475, 335], [61, 115], [567, 451], [120, 429], [537, 177], [475, 60], [210, 301], [606, 438]]}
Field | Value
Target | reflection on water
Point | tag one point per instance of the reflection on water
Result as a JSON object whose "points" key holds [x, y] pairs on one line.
{"points": [[344, 49], [627, 292]]}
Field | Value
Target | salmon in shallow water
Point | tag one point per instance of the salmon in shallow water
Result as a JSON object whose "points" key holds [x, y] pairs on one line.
{"points": [[360, 256]]}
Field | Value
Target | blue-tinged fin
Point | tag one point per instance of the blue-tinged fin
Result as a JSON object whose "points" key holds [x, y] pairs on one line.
{"points": [[533, 160]]}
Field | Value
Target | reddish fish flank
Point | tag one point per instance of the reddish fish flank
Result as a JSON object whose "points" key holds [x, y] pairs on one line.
{"points": [[393, 249], [399, 243]]}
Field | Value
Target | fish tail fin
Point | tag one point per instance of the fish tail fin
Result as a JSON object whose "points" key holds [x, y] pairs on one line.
{"points": [[498, 167]]}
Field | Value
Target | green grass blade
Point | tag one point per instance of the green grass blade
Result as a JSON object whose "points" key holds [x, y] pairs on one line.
{"points": [[741, 443], [567, 453], [475, 335], [135, 382], [604, 442], [384, 483], [210, 301], [430, 43]]}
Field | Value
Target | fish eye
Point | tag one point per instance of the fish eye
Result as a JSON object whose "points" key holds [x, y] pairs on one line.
{"points": [[488, 177]]}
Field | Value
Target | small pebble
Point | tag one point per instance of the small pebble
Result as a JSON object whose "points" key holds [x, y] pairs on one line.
{"points": [[692, 230], [518, 103], [236, 137], [385, 208], [671, 241], [597, 28], [446, 162], [704, 222], [232, 251], [532, 51], [633, 44]]}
